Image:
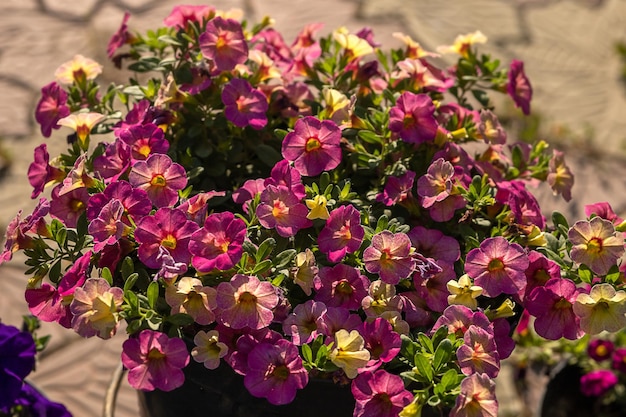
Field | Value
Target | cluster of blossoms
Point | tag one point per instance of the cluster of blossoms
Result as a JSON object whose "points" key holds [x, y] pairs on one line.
{"points": [[319, 209], [18, 350]]}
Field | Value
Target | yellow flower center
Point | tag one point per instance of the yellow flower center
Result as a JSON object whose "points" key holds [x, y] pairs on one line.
{"points": [[144, 150], [281, 372], [279, 210], [344, 288], [158, 181], [601, 350], [221, 42], [169, 242], [408, 121], [155, 354], [312, 144], [247, 298], [594, 246], [495, 265], [76, 205]]}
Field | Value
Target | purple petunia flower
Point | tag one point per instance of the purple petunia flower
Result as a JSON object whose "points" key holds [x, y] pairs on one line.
{"points": [[341, 286], [155, 361], [144, 140], [275, 372], [313, 146], [305, 322], [478, 353], [40, 172], [597, 383], [246, 301], [397, 189], [114, 162], [51, 108], [135, 201], [281, 209], [244, 105], [381, 341], [342, 233], [519, 87], [412, 118], [389, 256], [108, 227], [17, 360], [284, 174], [120, 37], [68, 207], [182, 15]]}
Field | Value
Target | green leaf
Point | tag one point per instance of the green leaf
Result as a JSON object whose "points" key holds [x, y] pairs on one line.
{"points": [[443, 353], [262, 267], [284, 258], [180, 319], [268, 155], [153, 293], [559, 220], [369, 137], [280, 133], [130, 281], [449, 380], [423, 367], [585, 274], [426, 342], [408, 348], [265, 248], [613, 275], [307, 354], [128, 267], [106, 274]]}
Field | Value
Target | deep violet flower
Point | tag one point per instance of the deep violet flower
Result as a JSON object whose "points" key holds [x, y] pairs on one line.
{"points": [[17, 360], [155, 361], [313, 146], [275, 372], [244, 105]]}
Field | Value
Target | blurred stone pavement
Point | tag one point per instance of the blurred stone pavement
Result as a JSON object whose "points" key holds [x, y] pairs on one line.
{"points": [[567, 47]]}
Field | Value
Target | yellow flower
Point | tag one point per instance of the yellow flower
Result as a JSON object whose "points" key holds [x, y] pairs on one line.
{"points": [[413, 49], [349, 353], [266, 68], [603, 309], [305, 271], [355, 47], [463, 292], [318, 208], [462, 43], [77, 70], [82, 123]]}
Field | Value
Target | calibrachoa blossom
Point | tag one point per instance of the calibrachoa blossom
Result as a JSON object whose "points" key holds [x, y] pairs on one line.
{"points": [[155, 361], [246, 301], [51, 108], [497, 266], [597, 383], [389, 256], [208, 350], [219, 243], [478, 353], [341, 286], [600, 349], [477, 398], [349, 352], [223, 43], [595, 244], [189, 296], [412, 118], [379, 394], [96, 307], [275, 372], [160, 178], [313, 146], [603, 309], [519, 87], [244, 105], [342, 234], [281, 209]]}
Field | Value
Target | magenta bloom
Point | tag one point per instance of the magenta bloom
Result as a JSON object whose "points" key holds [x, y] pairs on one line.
{"points": [[196, 207], [412, 118], [341, 286], [381, 341], [281, 209], [618, 360], [600, 350], [433, 289], [246, 301], [284, 174], [135, 201], [313, 146], [248, 191], [108, 227], [458, 319], [389, 256], [552, 305], [182, 15], [223, 43], [219, 243], [168, 228], [51, 108], [519, 87], [477, 398], [604, 210], [244, 105], [160, 178], [497, 266], [145, 140], [432, 243], [342, 234], [305, 322], [120, 37], [40, 172], [379, 394], [436, 185], [114, 162], [597, 383], [397, 189], [478, 354], [155, 361], [337, 318], [69, 206], [540, 270], [275, 372]]}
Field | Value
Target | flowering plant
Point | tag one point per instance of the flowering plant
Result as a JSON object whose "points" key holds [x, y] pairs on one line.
{"points": [[319, 209]]}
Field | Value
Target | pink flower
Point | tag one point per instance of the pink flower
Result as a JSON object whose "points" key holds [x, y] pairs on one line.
{"points": [[432, 243], [134, 200], [223, 43], [305, 322], [597, 383], [182, 15], [284, 174], [155, 361], [246, 193], [412, 118], [313, 146], [519, 87], [108, 227], [190, 297], [168, 228], [379, 394], [437, 184], [382, 342], [618, 360], [477, 398], [433, 289], [397, 189], [95, 308], [341, 286], [40, 172], [552, 305], [244, 105], [600, 349], [51, 108], [246, 302], [160, 178], [458, 319], [478, 354], [68, 207], [120, 37], [275, 372], [196, 207], [114, 162], [16, 236], [497, 266], [219, 243], [540, 270], [560, 178], [342, 233], [604, 210], [389, 256], [281, 209], [144, 140]]}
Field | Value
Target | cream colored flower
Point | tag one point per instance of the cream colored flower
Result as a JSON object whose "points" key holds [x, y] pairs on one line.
{"points": [[77, 70], [462, 43], [355, 47], [464, 292], [349, 353], [603, 309], [209, 350], [82, 124]]}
